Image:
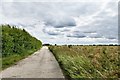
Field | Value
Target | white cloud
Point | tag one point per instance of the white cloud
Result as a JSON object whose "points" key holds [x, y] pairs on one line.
{"points": [[58, 0], [73, 22]]}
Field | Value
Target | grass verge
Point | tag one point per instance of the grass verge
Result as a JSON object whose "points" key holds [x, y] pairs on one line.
{"points": [[13, 59]]}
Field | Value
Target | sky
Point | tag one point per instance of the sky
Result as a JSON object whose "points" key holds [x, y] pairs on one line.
{"points": [[64, 22]]}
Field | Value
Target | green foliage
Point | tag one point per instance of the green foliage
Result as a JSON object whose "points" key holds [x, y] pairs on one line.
{"points": [[17, 42], [88, 61]]}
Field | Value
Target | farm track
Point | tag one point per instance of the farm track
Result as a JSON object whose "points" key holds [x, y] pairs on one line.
{"points": [[41, 64]]}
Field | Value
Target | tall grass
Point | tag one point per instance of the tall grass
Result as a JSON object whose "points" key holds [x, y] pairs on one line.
{"points": [[88, 61]]}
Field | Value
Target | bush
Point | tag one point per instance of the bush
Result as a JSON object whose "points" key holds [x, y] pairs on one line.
{"points": [[69, 46], [18, 42]]}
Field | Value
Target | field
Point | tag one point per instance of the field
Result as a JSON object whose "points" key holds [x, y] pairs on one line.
{"points": [[88, 61]]}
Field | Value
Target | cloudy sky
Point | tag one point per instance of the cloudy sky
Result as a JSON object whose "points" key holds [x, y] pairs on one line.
{"points": [[64, 22]]}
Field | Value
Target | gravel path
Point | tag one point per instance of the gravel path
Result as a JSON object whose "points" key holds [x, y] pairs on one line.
{"points": [[41, 64]]}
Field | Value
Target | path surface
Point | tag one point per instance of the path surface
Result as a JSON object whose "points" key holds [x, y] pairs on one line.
{"points": [[41, 64]]}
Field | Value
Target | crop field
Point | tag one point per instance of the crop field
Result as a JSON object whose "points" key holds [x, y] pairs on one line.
{"points": [[88, 61]]}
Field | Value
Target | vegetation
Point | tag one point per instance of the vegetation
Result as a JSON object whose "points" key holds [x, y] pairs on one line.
{"points": [[16, 45], [88, 61]]}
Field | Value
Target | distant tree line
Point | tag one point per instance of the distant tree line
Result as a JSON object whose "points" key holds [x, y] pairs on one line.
{"points": [[90, 45]]}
